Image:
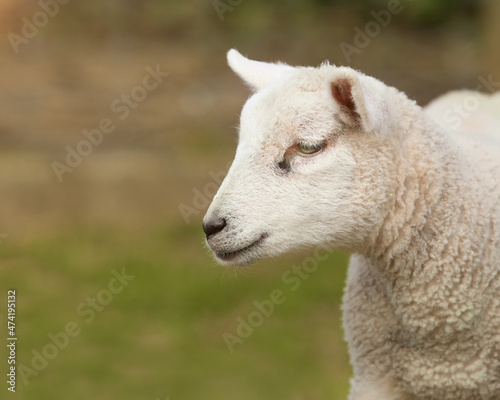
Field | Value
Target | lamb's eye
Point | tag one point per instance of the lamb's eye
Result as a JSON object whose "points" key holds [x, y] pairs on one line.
{"points": [[309, 148]]}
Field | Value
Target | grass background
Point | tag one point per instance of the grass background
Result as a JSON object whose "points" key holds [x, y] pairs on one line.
{"points": [[162, 336]]}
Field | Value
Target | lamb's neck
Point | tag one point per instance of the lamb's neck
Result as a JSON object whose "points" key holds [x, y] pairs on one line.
{"points": [[423, 247], [426, 200]]}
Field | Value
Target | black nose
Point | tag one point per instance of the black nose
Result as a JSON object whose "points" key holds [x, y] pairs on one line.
{"points": [[214, 226]]}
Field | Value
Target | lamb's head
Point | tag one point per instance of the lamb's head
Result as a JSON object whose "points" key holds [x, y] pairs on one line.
{"points": [[307, 139]]}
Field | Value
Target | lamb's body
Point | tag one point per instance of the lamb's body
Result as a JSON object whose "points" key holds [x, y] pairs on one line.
{"points": [[329, 156], [422, 307]]}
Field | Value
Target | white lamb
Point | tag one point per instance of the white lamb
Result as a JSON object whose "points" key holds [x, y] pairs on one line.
{"points": [[329, 156]]}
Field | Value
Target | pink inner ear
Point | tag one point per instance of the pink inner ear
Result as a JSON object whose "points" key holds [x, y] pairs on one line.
{"points": [[342, 93]]}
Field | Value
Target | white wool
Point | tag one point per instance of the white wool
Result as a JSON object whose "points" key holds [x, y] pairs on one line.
{"points": [[414, 194]]}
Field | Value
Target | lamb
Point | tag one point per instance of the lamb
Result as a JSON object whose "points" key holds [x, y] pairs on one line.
{"points": [[331, 157]]}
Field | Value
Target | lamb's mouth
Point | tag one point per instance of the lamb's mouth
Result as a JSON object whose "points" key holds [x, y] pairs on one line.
{"points": [[231, 255]]}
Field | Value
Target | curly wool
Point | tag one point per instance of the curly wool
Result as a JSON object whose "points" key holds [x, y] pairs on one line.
{"points": [[422, 304]]}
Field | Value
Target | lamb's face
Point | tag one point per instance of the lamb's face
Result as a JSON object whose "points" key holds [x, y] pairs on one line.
{"points": [[294, 180]]}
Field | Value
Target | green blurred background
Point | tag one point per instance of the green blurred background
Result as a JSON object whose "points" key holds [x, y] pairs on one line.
{"points": [[137, 200]]}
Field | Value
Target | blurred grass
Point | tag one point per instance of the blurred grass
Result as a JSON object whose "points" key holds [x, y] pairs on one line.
{"points": [[162, 335]]}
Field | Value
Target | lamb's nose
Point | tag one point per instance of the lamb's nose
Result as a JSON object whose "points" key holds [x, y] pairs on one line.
{"points": [[214, 226]]}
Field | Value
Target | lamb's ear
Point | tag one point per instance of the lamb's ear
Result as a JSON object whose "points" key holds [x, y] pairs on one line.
{"points": [[256, 74], [362, 99]]}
